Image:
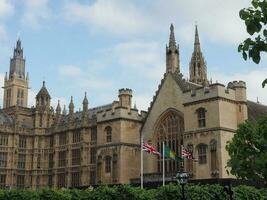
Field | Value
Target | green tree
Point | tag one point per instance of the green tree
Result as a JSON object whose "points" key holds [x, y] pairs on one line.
{"points": [[255, 18], [248, 150]]}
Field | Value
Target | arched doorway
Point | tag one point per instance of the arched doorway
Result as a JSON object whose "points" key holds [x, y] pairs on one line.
{"points": [[169, 128]]}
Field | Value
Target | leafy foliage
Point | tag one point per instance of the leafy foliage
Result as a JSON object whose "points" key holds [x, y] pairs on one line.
{"points": [[255, 18], [126, 192], [248, 150]]}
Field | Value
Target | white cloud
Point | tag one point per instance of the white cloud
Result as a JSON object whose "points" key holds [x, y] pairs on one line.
{"points": [[142, 101], [253, 81], [83, 79], [3, 34], [141, 58], [70, 71], [6, 9], [35, 12], [218, 20], [114, 16]]}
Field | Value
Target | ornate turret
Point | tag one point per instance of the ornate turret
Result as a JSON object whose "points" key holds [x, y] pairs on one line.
{"points": [[43, 116], [85, 103], [172, 54], [197, 67], [71, 106], [43, 97]]}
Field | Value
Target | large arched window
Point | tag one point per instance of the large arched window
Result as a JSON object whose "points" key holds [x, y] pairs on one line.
{"points": [[202, 153], [201, 115], [107, 164], [108, 131], [169, 128]]}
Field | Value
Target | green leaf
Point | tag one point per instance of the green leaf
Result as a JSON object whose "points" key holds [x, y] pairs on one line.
{"points": [[240, 47], [256, 56], [255, 3], [245, 56], [265, 33], [264, 83], [243, 14]]}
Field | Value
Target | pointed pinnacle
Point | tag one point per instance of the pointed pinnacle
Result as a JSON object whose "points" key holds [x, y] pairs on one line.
{"points": [[172, 42]]}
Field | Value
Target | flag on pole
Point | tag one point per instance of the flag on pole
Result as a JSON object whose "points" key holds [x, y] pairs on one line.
{"points": [[168, 153], [150, 149], [186, 153]]}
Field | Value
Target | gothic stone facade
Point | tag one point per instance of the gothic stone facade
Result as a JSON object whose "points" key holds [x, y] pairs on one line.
{"points": [[40, 146]]}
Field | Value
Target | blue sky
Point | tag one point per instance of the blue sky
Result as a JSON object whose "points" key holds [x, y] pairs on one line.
{"points": [[101, 46]]}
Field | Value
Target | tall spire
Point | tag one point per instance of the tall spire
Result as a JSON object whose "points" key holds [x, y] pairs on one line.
{"points": [[196, 43], [172, 54], [197, 66]]}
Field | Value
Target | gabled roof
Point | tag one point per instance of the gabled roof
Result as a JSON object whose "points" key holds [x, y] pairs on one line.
{"points": [[181, 82], [256, 110]]}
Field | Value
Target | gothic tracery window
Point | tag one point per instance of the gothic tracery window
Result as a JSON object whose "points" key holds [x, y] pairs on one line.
{"points": [[169, 129]]}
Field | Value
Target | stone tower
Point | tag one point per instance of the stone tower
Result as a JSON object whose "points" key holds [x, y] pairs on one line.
{"points": [[197, 66], [16, 84], [172, 54], [43, 117], [125, 98]]}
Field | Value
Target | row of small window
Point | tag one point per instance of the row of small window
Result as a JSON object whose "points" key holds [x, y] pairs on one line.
{"points": [[75, 180]]}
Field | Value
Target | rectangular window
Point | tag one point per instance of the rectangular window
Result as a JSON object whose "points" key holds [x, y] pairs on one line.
{"points": [[3, 159], [51, 141], [38, 181], [94, 134], [21, 161], [202, 154], [61, 182], [62, 158], [2, 180], [76, 157], [20, 181], [93, 155], [4, 140], [39, 161], [51, 160], [22, 141], [50, 181], [62, 139], [75, 179], [76, 137], [92, 177]]}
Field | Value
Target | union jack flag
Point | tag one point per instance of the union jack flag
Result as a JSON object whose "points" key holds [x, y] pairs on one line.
{"points": [[149, 149], [186, 153]]}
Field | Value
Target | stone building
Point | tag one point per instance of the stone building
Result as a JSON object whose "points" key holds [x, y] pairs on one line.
{"points": [[42, 146], [198, 114]]}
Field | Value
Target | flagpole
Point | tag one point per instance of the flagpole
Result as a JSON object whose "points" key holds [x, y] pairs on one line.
{"points": [[163, 167], [142, 164]]}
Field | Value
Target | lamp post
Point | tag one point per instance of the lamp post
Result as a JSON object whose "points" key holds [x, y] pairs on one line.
{"points": [[182, 179]]}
